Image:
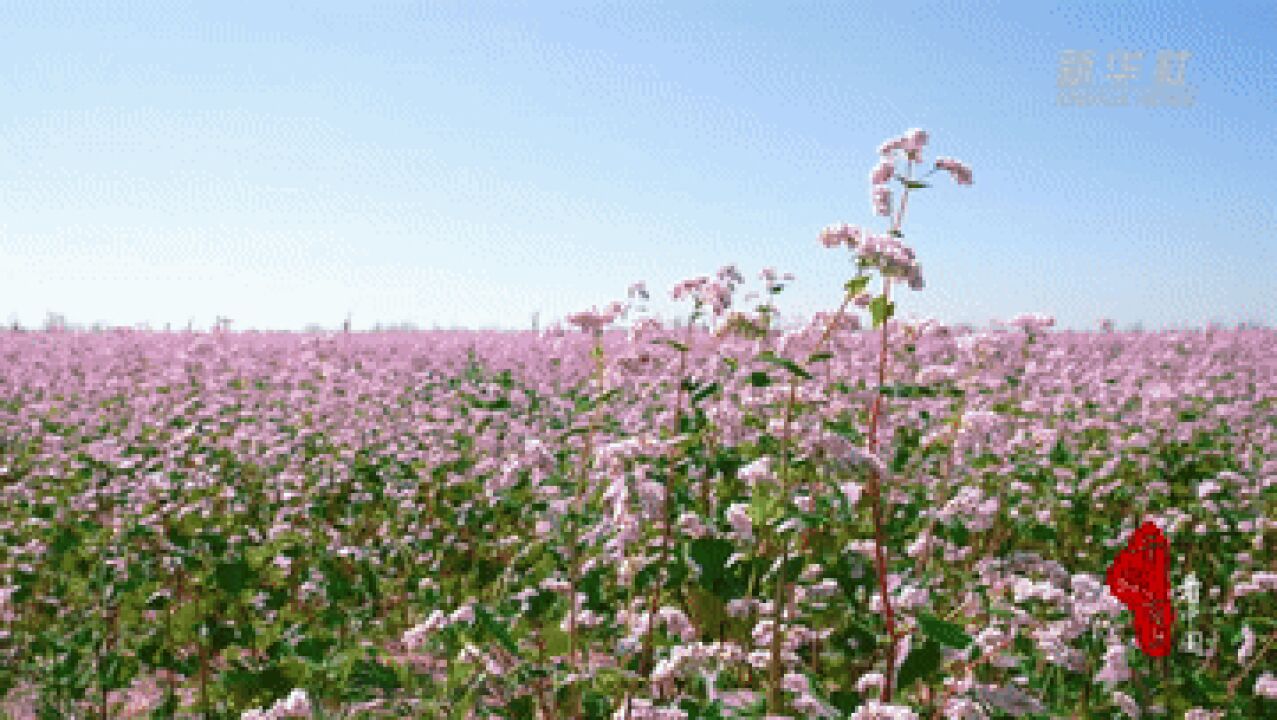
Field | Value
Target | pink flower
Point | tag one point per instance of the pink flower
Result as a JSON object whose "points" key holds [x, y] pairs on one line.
{"points": [[687, 287], [594, 320], [956, 169], [890, 146], [1115, 669], [883, 171], [1248, 644], [756, 471], [915, 278], [882, 200], [1266, 686], [843, 234], [730, 274], [964, 709], [796, 683], [738, 517], [874, 710], [851, 491], [1127, 703], [297, 704], [915, 139], [870, 680], [463, 614]]}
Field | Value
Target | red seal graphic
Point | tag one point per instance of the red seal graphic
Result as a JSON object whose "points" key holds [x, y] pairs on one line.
{"points": [[1140, 578]]}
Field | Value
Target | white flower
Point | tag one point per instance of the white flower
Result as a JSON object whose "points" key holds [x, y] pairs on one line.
{"points": [[964, 709], [738, 518], [1128, 705], [1266, 686], [868, 680], [757, 470], [1248, 644], [297, 704], [851, 491], [874, 710], [1115, 669]]}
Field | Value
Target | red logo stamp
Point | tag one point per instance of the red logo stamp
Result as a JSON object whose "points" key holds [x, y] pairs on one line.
{"points": [[1140, 578]]}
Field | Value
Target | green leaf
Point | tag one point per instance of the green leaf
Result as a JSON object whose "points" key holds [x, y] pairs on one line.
{"points": [[857, 284], [705, 392], [852, 573], [496, 629], [556, 640], [711, 554], [672, 343], [819, 357], [370, 674], [763, 507], [922, 663], [845, 700], [1060, 453], [314, 648], [758, 378], [854, 641], [844, 428], [233, 576], [944, 632], [958, 533], [914, 184], [592, 585], [881, 309], [524, 708], [786, 363], [540, 604], [905, 390], [1042, 532]]}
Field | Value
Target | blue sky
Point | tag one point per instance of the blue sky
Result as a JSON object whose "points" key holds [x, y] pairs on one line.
{"points": [[471, 163]]}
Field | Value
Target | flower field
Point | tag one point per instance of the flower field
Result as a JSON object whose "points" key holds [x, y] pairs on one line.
{"points": [[725, 518]]}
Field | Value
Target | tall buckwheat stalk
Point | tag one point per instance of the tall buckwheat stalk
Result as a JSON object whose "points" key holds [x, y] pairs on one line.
{"points": [[594, 323], [893, 260]]}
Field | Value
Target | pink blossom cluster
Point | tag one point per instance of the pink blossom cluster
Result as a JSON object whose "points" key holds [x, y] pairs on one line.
{"points": [[881, 197], [694, 657], [714, 294], [1032, 322], [594, 320], [895, 259], [416, 636], [911, 142], [844, 234]]}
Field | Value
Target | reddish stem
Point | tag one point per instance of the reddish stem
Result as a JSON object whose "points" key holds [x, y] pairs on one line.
{"points": [[879, 535]]}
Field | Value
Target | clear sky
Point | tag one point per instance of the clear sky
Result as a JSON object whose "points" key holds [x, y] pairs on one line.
{"points": [[471, 163]]}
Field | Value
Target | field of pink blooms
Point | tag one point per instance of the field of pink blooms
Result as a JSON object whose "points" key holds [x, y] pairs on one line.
{"points": [[725, 518]]}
